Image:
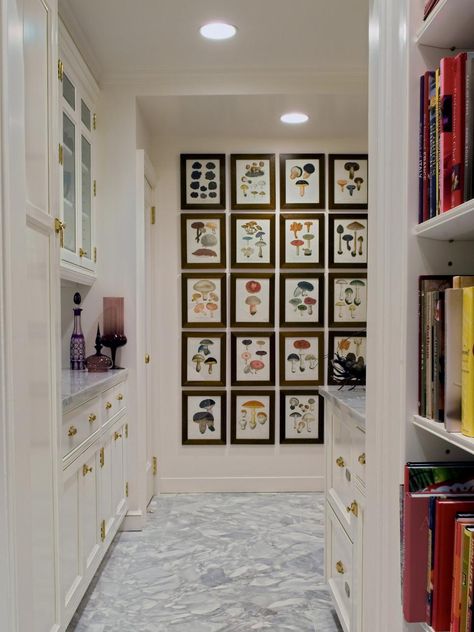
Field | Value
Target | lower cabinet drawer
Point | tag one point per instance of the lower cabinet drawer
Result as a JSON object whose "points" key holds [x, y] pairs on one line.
{"points": [[80, 424], [339, 568]]}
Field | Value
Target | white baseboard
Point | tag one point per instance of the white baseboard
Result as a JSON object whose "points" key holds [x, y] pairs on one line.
{"points": [[242, 484], [133, 521]]}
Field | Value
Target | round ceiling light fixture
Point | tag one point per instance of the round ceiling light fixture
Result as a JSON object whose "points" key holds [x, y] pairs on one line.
{"points": [[294, 118], [218, 30]]}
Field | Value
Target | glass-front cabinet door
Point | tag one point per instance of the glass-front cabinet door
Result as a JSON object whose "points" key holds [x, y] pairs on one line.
{"points": [[78, 95]]}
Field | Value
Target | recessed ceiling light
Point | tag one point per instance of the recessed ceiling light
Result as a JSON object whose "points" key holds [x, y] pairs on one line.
{"points": [[218, 30], [294, 118]]}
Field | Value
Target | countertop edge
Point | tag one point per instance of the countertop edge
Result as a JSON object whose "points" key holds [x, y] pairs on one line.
{"points": [[339, 399], [85, 392]]}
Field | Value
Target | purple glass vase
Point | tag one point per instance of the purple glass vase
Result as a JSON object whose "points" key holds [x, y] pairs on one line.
{"points": [[77, 347]]}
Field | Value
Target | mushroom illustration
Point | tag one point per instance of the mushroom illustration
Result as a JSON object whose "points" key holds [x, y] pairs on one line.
{"points": [[247, 252], [246, 357], [351, 167], [304, 287], [295, 302], [243, 419], [198, 359], [352, 308], [297, 243], [295, 172], [342, 184], [195, 297], [302, 184], [257, 365], [205, 252], [254, 405], [294, 401], [340, 231], [357, 342], [308, 225], [261, 353], [247, 342], [308, 418], [198, 227], [204, 346], [261, 343], [302, 309], [212, 307], [301, 346], [262, 418], [199, 308], [204, 419], [196, 165], [208, 240], [260, 234], [311, 358], [210, 165], [207, 404], [311, 403], [244, 188], [213, 297], [357, 283], [252, 302], [308, 169], [340, 304], [343, 345], [210, 363], [360, 239], [358, 182], [295, 416], [300, 427], [355, 226], [253, 287], [340, 283], [260, 245], [251, 227], [212, 226], [204, 286], [212, 186], [293, 358], [351, 188], [308, 237], [309, 301], [295, 228], [348, 239], [348, 292]]}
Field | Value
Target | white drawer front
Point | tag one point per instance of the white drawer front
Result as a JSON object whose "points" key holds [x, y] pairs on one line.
{"points": [[341, 468], [339, 568], [120, 395], [80, 424], [358, 453], [110, 404]]}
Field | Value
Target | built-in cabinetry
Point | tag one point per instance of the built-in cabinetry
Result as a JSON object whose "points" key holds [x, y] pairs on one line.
{"points": [[78, 97], [344, 430], [94, 491]]}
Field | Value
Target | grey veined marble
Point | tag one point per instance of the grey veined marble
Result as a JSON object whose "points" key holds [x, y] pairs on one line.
{"points": [[215, 563]]}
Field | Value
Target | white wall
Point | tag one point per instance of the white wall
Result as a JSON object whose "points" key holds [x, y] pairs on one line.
{"points": [[213, 468]]}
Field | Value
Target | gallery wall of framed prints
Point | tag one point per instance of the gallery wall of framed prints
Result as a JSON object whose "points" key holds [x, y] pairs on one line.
{"points": [[273, 292]]}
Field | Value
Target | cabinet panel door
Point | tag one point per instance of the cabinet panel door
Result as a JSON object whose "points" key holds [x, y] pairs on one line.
{"points": [[118, 470], [89, 516], [106, 511], [71, 573]]}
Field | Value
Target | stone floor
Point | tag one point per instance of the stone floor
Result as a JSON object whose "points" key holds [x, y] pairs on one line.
{"points": [[215, 563]]}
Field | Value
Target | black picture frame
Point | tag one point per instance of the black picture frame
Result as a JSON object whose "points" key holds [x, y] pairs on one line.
{"points": [[297, 174], [284, 359], [270, 276], [252, 396], [332, 280], [234, 336], [215, 277], [258, 217], [205, 394], [319, 420], [251, 159], [351, 180], [320, 298], [333, 218], [332, 380], [220, 204], [296, 218], [203, 219], [221, 376]]}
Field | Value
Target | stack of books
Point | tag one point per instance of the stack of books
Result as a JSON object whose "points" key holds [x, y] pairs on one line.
{"points": [[429, 6], [438, 545], [446, 351], [446, 136]]}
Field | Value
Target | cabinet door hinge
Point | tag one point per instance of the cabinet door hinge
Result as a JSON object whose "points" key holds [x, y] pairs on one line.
{"points": [[60, 154], [95, 254], [126, 431], [60, 70], [94, 121], [155, 465], [153, 215], [94, 186], [102, 457], [102, 530], [126, 489]]}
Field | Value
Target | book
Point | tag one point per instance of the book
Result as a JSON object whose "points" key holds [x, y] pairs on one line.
{"points": [[457, 172], [433, 123], [437, 137], [421, 150], [429, 6], [453, 299], [466, 562], [446, 135], [438, 356], [469, 127], [467, 366], [462, 520], [463, 281], [422, 480], [428, 76]]}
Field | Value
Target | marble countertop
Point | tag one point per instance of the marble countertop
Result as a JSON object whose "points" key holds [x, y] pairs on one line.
{"points": [[78, 387], [351, 402]]}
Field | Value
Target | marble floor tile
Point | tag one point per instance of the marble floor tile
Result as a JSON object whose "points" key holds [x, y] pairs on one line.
{"points": [[215, 563]]}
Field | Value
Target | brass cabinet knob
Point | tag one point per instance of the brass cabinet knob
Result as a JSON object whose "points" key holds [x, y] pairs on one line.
{"points": [[340, 568], [120, 397], [108, 406], [117, 435], [92, 418], [72, 431], [353, 508], [340, 462], [82, 253], [86, 469], [147, 358], [361, 458]]}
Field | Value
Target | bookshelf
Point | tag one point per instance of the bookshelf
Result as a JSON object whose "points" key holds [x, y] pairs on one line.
{"points": [[437, 429], [445, 29], [456, 224]]}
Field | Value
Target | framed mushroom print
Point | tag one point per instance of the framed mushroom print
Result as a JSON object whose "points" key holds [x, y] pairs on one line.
{"points": [[347, 300], [348, 181], [348, 241], [252, 417], [301, 417], [346, 358], [253, 358], [301, 299], [202, 181], [252, 241], [204, 417], [252, 301], [203, 359], [302, 181], [203, 300], [301, 358], [203, 240], [252, 181], [302, 240]]}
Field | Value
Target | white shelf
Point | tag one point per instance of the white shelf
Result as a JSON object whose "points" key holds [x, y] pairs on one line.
{"points": [[456, 224], [426, 627], [437, 428], [450, 24]]}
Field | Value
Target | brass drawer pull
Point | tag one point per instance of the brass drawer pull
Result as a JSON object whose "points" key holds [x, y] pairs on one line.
{"points": [[117, 435], [86, 469], [340, 462], [72, 431], [361, 459], [92, 418], [120, 397], [108, 406], [353, 508], [82, 252], [340, 568]]}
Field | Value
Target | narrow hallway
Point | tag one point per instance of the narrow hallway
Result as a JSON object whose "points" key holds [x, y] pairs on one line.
{"points": [[212, 563]]}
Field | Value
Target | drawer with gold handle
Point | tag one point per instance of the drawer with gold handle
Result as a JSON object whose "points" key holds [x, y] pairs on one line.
{"points": [[361, 458], [92, 418], [120, 397], [340, 568], [117, 435], [86, 469], [108, 405], [353, 508], [340, 462], [72, 432]]}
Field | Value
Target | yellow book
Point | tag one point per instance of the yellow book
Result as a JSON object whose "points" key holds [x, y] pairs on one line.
{"points": [[463, 281], [467, 366]]}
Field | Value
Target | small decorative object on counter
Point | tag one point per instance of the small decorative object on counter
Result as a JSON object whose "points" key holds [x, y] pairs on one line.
{"points": [[113, 336], [77, 351], [98, 363]]}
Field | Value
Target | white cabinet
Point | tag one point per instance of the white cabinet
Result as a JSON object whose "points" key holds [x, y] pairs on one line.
{"points": [[78, 96], [345, 503], [93, 499]]}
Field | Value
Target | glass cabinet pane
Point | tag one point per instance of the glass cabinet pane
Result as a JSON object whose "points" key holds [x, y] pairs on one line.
{"points": [[86, 197], [69, 91], [85, 115], [69, 183]]}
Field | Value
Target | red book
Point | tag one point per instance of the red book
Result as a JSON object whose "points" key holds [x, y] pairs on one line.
{"points": [[446, 136], [426, 146], [461, 522], [459, 131], [443, 556]]}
